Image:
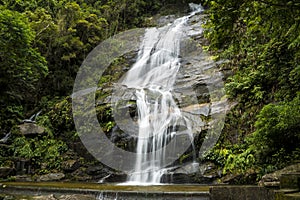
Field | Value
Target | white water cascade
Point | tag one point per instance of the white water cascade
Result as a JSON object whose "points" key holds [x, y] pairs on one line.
{"points": [[152, 77]]}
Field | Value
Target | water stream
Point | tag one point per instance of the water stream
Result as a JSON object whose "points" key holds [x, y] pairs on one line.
{"points": [[153, 77]]}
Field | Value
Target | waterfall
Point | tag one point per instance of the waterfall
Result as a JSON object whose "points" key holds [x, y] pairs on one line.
{"points": [[152, 78]]}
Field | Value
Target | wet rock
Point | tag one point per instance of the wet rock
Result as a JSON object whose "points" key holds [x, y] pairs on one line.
{"points": [[76, 197], [48, 197], [105, 175], [6, 171], [122, 138], [115, 178], [187, 169], [270, 180], [164, 20], [95, 170], [70, 165], [210, 170], [52, 177], [181, 178], [27, 129], [205, 173], [177, 178]]}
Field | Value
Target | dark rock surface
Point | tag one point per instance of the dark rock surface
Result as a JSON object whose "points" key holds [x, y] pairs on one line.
{"points": [[70, 165], [205, 173], [114, 178]]}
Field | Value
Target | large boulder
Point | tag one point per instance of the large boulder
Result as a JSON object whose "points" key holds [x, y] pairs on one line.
{"points": [[27, 129], [273, 179], [205, 173]]}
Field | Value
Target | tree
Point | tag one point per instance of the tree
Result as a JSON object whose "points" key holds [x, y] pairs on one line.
{"points": [[21, 66]]}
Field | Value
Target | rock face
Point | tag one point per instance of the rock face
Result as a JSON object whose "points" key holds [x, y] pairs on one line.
{"points": [[205, 173], [198, 91], [27, 129]]}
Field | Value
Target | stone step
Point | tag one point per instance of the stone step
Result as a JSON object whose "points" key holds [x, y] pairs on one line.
{"points": [[107, 191], [290, 181], [282, 194], [294, 196], [231, 192]]}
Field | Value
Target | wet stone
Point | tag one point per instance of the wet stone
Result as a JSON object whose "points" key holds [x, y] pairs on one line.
{"points": [[52, 177]]}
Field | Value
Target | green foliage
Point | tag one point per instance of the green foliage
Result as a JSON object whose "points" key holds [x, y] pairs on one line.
{"points": [[240, 162], [61, 117], [234, 159], [273, 145], [258, 38], [260, 42], [277, 132], [40, 151], [21, 66]]}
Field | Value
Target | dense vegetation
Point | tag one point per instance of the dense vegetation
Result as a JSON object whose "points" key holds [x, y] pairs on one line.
{"points": [[259, 40]]}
